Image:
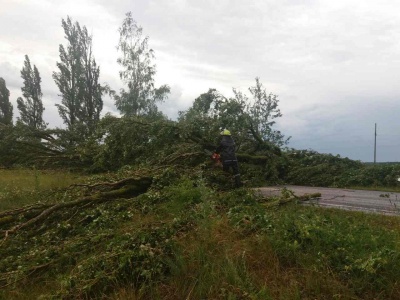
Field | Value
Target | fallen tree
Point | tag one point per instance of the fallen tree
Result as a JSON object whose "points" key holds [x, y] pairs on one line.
{"points": [[44, 239], [30, 215]]}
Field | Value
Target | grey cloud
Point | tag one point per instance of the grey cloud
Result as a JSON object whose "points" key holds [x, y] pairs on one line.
{"points": [[120, 7], [11, 75], [350, 131], [341, 56], [174, 103]]}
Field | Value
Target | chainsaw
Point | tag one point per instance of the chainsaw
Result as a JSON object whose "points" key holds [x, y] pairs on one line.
{"points": [[215, 157]]}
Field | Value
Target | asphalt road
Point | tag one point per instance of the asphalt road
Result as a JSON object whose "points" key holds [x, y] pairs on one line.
{"points": [[361, 200]]}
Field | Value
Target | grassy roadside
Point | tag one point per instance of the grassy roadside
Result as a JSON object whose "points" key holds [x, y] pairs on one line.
{"points": [[186, 241]]}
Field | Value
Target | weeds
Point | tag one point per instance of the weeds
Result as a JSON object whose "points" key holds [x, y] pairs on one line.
{"points": [[345, 243], [183, 239]]}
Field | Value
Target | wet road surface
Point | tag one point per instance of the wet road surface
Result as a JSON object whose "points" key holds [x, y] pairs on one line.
{"points": [[361, 200]]}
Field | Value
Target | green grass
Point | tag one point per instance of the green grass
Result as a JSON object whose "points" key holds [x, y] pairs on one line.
{"points": [[23, 186], [187, 241], [360, 251]]}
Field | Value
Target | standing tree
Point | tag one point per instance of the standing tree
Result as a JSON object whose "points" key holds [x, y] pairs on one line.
{"points": [[252, 120], [138, 72], [6, 108], [6, 129], [31, 109], [263, 111], [92, 90], [77, 80]]}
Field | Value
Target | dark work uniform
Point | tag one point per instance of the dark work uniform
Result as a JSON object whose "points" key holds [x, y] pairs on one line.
{"points": [[226, 149]]}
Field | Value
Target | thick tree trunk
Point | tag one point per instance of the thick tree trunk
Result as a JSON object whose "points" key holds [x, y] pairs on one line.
{"points": [[128, 187]]}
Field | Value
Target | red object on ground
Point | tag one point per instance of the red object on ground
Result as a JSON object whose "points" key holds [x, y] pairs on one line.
{"points": [[216, 157]]}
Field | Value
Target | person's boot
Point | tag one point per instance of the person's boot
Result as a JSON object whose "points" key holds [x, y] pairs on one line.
{"points": [[238, 183]]}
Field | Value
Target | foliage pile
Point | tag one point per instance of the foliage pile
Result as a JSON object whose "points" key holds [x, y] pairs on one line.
{"points": [[91, 240], [181, 237], [153, 140], [379, 175], [307, 167]]}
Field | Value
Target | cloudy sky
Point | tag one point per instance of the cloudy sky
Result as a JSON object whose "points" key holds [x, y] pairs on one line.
{"points": [[334, 64]]}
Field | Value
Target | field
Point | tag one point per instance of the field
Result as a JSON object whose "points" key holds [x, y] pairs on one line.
{"points": [[183, 240], [22, 187]]}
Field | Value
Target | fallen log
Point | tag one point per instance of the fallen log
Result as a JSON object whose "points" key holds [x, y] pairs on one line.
{"points": [[279, 201], [114, 185], [129, 187], [24, 209]]}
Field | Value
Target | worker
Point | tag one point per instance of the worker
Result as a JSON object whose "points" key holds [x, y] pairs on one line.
{"points": [[227, 150]]}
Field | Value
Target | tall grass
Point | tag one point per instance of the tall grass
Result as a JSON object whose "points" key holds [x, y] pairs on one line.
{"points": [[240, 250], [23, 186], [358, 251], [187, 241], [294, 252]]}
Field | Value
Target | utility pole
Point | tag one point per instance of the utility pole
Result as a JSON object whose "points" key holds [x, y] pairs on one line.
{"points": [[375, 147]]}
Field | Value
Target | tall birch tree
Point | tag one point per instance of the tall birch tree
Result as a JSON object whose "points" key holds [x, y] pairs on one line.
{"points": [[138, 71]]}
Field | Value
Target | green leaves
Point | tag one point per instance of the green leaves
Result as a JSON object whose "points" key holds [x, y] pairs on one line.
{"points": [[361, 254], [137, 72], [250, 120], [31, 109], [308, 167], [6, 108], [78, 81]]}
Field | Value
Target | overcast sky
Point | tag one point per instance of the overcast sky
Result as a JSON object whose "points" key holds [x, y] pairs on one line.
{"points": [[334, 64]]}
